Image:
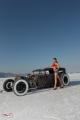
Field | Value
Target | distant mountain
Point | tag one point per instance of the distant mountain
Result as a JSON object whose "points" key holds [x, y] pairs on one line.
{"points": [[4, 75]]}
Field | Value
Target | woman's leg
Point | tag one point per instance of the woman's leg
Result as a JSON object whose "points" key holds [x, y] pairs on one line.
{"points": [[60, 81], [55, 80]]}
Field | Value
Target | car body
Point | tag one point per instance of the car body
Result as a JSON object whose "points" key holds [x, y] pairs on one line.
{"points": [[38, 79]]}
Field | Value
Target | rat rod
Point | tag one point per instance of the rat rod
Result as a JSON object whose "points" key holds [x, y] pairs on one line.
{"points": [[39, 79]]}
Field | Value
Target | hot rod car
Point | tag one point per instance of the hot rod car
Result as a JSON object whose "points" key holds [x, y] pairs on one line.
{"points": [[39, 79]]}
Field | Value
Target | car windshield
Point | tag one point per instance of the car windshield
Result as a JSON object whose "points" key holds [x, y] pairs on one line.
{"points": [[41, 72]]}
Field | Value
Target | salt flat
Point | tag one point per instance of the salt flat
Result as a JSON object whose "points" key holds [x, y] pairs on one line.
{"points": [[48, 104]]}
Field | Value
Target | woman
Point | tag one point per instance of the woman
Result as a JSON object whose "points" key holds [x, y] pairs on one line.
{"points": [[55, 65]]}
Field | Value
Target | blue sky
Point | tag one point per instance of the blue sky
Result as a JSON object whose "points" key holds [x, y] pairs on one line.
{"points": [[32, 32]]}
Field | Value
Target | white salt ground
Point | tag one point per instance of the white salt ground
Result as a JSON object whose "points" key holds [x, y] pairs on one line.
{"points": [[49, 104]]}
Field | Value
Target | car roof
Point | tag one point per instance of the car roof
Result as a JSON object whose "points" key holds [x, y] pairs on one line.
{"points": [[44, 69]]}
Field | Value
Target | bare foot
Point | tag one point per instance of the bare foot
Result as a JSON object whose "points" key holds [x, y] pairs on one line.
{"points": [[54, 88]]}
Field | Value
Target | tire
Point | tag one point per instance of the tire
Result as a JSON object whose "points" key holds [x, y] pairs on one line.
{"points": [[8, 84], [21, 87], [65, 79]]}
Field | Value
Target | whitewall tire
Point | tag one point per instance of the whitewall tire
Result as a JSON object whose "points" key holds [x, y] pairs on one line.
{"points": [[21, 87], [65, 79]]}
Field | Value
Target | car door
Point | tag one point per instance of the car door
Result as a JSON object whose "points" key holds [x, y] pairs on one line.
{"points": [[45, 81], [41, 81], [49, 80]]}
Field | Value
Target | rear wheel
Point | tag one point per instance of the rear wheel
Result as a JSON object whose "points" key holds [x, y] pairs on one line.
{"points": [[8, 84], [21, 87], [65, 79]]}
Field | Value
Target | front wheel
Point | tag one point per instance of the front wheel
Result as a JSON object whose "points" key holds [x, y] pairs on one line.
{"points": [[21, 87], [8, 84]]}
